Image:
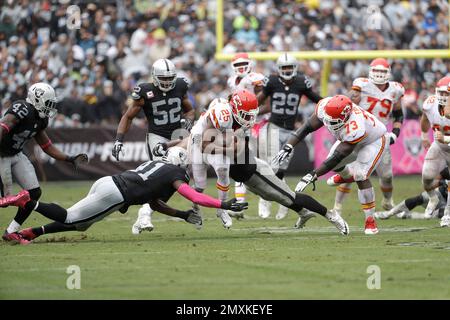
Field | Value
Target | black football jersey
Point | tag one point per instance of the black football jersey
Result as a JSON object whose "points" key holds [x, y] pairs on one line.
{"points": [[285, 99], [150, 181], [28, 125], [162, 109]]}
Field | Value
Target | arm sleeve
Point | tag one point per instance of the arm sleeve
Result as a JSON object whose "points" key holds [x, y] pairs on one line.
{"points": [[199, 198]]}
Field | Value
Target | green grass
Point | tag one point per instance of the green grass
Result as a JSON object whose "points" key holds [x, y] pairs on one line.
{"points": [[256, 259]]}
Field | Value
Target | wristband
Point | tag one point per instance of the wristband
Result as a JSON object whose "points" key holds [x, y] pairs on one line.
{"points": [[119, 137], [5, 126], [447, 139], [46, 145]]}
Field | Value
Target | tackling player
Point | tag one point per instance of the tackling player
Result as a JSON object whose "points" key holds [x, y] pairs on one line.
{"points": [[285, 91], [382, 98], [438, 154], [163, 101], [153, 182], [360, 145], [24, 120]]}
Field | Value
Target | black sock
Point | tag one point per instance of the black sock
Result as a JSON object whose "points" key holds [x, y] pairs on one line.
{"points": [[22, 215], [57, 227], [305, 201], [413, 202], [445, 174], [38, 231], [51, 211]]}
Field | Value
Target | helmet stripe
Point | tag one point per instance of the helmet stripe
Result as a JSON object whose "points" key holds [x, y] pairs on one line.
{"points": [[167, 65]]}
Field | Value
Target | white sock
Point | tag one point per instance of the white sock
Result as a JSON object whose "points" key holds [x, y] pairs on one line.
{"points": [[147, 210], [239, 191], [13, 227], [367, 199]]}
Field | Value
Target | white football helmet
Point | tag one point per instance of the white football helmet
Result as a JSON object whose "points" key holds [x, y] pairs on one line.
{"points": [[443, 90], [164, 74], [241, 64], [42, 96], [176, 156], [287, 66], [379, 71]]}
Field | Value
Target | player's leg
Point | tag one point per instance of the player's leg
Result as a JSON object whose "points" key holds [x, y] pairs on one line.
{"points": [[368, 159], [144, 219], [103, 198], [434, 163], [221, 165], [264, 206], [384, 172], [25, 175]]}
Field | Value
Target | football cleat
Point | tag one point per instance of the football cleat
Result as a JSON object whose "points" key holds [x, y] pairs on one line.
{"points": [[15, 238], [336, 180], [28, 234], [303, 216], [237, 215], [18, 200], [445, 221], [143, 222], [370, 227], [225, 218], [282, 212], [338, 222], [264, 208]]}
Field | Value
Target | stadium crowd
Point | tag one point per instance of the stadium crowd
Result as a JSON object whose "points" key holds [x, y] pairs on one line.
{"points": [[95, 65]]}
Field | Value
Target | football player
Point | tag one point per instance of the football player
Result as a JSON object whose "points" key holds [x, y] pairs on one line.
{"points": [[259, 178], [153, 182], [164, 102], [438, 154], [219, 123], [244, 78], [382, 98], [285, 91], [24, 120], [360, 145]]}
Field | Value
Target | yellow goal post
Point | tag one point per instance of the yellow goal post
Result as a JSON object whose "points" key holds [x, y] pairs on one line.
{"points": [[327, 56]]}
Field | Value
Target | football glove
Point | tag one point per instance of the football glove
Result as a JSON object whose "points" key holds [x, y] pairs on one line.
{"points": [[305, 181], [282, 155], [117, 150], [187, 124], [78, 159], [233, 205], [159, 150]]}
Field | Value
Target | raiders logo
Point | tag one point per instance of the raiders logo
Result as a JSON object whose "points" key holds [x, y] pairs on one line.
{"points": [[413, 144], [38, 92]]}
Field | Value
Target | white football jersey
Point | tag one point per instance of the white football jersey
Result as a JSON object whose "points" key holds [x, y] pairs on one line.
{"points": [[437, 121], [377, 102], [249, 82], [362, 128], [220, 114]]}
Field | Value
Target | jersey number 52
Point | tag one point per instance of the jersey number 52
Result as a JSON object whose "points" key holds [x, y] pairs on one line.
{"points": [[163, 117]]}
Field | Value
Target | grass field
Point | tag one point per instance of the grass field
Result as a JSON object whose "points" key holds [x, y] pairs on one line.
{"points": [[256, 259]]}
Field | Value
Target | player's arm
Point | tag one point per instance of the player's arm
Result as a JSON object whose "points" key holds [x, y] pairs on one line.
{"points": [[7, 123], [307, 91], [355, 95], [47, 146], [424, 127], [161, 147], [343, 150], [397, 113], [207, 201], [188, 113], [263, 107]]}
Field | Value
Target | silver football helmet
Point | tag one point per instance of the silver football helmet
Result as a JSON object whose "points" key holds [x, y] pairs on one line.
{"points": [[42, 96], [164, 74], [176, 156], [287, 66]]}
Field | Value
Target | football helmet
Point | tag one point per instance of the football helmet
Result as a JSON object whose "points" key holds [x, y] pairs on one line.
{"points": [[379, 71], [42, 96], [244, 106], [241, 64], [443, 90], [176, 156], [337, 111], [287, 66], [164, 74]]}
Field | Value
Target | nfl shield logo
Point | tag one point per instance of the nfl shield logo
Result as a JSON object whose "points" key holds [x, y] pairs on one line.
{"points": [[150, 94]]}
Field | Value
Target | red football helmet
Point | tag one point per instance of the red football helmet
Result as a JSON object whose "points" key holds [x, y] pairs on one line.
{"points": [[244, 107], [337, 111], [241, 64], [379, 71], [443, 90]]}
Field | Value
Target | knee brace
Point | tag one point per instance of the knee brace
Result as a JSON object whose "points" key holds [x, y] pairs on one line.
{"points": [[35, 193]]}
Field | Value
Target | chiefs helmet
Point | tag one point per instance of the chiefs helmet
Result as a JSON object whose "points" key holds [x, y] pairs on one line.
{"points": [[241, 64], [244, 106], [337, 111], [443, 90], [379, 71]]}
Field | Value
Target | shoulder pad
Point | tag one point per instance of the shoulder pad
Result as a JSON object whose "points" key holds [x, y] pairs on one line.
{"points": [[220, 114], [19, 109], [429, 103], [257, 79], [319, 107], [142, 91], [184, 82], [399, 89], [359, 83], [307, 82]]}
